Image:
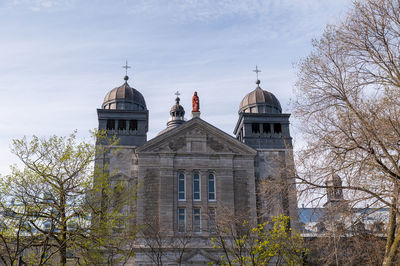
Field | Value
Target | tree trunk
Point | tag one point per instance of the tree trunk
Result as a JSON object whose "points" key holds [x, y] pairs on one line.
{"points": [[388, 260], [63, 250], [391, 244], [63, 235]]}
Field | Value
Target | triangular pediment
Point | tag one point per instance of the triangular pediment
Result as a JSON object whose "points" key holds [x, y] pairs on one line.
{"points": [[196, 136], [199, 256]]}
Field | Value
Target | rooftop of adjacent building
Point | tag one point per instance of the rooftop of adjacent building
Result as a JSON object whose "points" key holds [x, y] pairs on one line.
{"points": [[315, 221]]}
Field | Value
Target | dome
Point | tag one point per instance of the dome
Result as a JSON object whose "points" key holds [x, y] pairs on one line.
{"points": [[334, 179], [177, 116], [260, 101], [177, 109], [124, 98]]}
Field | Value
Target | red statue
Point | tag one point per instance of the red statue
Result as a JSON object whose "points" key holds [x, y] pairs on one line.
{"points": [[195, 103]]}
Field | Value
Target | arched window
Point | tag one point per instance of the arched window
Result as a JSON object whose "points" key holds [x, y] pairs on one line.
{"points": [[181, 187], [211, 187], [196, 187]]}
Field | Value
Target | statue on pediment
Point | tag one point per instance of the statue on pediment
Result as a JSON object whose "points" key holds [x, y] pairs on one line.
{"points": [[195, 103]]}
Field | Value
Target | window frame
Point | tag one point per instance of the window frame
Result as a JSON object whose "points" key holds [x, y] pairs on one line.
{"points": [[133, 125], [184, 221], [266, 128], [110, 124], [184, 186], [277, 128], [193, 220], [193, 191], [208, 187], [212, 218], [121, 124], [255, 128]]}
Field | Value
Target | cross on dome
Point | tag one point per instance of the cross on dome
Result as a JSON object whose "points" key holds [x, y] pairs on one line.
{"points": [[126, 68], [177, 97], [257, 71]]}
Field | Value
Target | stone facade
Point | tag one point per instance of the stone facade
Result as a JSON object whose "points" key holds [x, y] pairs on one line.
{"points": [[193, 173], [195, 147]]}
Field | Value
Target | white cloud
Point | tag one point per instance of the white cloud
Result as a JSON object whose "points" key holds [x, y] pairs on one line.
{"points": [[58, 66], [40, 5], [211, 10]]}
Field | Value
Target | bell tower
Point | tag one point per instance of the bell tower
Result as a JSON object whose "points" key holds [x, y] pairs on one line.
{"points": [[263, 126], [125, 115], [334, 192]]}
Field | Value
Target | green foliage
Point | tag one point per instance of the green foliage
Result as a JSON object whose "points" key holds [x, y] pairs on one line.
{"points": [[62, 202], [271, 242]]}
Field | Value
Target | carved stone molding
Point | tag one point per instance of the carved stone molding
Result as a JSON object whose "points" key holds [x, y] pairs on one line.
{"points": [[177, 144], [214, 145]]}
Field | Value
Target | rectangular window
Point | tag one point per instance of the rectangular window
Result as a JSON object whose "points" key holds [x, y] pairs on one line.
{"points": [[196, 187], [133, 125], [211, 220], [266, 128], [277, 128], [110, 124], [121, 124], [196, 220], [211, 187], [255, 128], [181, 219], [181, 187]]}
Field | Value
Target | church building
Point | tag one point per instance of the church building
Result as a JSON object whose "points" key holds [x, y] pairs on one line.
{"points": [[192, 173]]}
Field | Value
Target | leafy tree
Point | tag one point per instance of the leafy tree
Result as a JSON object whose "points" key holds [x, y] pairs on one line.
{"points": [[50, 207], [349, 108], [268, 243]]}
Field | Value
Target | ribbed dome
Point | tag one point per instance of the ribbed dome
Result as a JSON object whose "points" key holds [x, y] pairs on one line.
{"points": [[260, 101], [124, 98], [177, 116], [335, 179], [177, 109]]}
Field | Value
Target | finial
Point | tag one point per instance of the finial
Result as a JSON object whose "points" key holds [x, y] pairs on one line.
{"points": [[257, 71], [126, 70], [177, 97]]}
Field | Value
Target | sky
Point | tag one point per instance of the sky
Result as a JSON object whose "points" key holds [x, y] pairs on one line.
{"points": [[59, 58]]}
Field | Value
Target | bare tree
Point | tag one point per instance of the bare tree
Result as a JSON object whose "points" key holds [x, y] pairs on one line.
{"points": [[153, 243], [162, 246], [348, 103], [343, 236]]}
